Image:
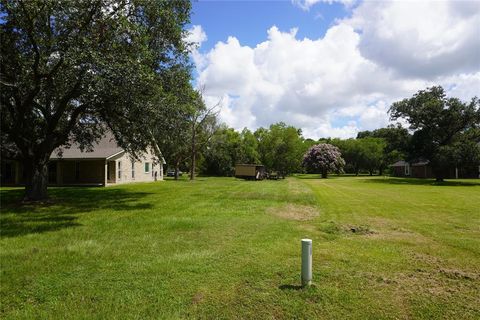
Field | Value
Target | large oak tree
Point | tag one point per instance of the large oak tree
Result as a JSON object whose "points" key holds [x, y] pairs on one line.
{"points": [[446, 130], [72, 69]]}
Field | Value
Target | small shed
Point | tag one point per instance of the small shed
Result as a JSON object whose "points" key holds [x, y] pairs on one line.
{"points": [[250, 171]]}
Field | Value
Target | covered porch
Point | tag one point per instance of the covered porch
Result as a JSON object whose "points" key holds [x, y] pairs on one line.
{"points": [[99, 172]]}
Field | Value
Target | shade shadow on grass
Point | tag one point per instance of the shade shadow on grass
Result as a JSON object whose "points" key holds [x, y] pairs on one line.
{"points": [[424, 182], [329, 177], [290, 287], [63, 208]]}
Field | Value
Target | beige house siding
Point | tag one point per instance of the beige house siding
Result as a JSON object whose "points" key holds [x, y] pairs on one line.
{"points": [[106, 164], [123, 168]]}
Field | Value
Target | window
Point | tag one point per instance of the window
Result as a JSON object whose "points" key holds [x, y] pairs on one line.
{"points": [[407, 169], [119, 170], [133, 169], [147, 167]]}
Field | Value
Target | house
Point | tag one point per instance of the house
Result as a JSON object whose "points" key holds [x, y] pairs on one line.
{"points": [[107, 164], [421, 168], [401, 169]]}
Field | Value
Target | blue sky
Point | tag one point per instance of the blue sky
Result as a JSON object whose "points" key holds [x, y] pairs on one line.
{"points": [[249, 20], [330, 67]]}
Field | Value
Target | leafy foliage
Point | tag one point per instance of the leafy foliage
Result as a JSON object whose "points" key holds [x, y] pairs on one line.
{"points": [[280, 147], [397, 141], [227, 148], [70, 70], [362, 154], [446, 130], [322, 158]]}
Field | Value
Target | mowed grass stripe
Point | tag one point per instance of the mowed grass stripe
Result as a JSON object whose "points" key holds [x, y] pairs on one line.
{"points": [[223, 248]]}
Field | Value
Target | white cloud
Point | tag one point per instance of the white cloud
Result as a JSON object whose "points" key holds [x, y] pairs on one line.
{"points": [[420, 39], [196, 35], [307, 4], [345, 81]]}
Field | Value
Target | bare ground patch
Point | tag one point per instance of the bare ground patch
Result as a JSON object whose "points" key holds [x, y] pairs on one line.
{"points": [[433, 282], [387, 229], [333, 228], [198, 298], [294, 212]]}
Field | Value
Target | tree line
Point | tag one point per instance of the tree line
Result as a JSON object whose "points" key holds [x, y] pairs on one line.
{"points": [[281, 148], [72, 70], [443, 130]]}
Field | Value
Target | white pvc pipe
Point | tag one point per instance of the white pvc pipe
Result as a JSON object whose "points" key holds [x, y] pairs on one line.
{"points": [[306, 262]]}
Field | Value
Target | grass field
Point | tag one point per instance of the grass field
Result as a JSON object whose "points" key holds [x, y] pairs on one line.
{"points": [[221, 248]]}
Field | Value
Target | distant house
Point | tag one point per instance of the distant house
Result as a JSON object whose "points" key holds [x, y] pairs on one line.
{"points": [[401, 169], [421, 168], [107, 164]]}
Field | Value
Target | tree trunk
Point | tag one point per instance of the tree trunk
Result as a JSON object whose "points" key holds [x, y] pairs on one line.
{"points": [[194, 151], [177, 169], [324, 174], [36, 175]]}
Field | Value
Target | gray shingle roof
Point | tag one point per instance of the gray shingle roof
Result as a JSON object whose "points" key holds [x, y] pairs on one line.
{"points": [[106, 147], [400, 163], [420, 162]]}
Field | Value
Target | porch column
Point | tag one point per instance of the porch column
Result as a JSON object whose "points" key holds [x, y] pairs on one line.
{"points": [[105, 176]]}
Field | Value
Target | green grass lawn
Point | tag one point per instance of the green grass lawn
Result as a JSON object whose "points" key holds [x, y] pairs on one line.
{"points": [[222, 248]]}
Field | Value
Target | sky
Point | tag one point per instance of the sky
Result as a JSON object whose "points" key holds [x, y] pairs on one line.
{"points": [[330, 67]]}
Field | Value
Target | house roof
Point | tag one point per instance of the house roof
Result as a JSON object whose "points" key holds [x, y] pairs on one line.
{"points": [[400, 163], [103, 149], [420, 162], [415, 163]]}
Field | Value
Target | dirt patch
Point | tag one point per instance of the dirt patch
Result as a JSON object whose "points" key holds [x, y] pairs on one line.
{"points": [[433, 282], [427, 259], [459, 274], [436, 263], [333, 228], [401, 235], [294, 212], [360, 230], [198, 298]]}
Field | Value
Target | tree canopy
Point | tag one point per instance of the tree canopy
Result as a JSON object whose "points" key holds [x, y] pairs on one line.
{"points": [[70, 70], [323, 158], [446, 130], [280, 147]]}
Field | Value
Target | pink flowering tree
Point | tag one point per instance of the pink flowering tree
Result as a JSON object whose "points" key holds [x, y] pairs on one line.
{"points": [[322, 158]]}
